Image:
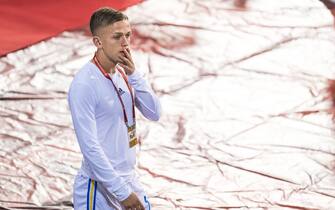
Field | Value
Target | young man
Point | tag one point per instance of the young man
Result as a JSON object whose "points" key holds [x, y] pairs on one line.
{"points": [[102, 98]]}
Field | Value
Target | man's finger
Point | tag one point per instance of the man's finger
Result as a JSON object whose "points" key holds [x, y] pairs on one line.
{"points": [[125, 59], [123, 66], [141, 206], [127, 53], [126, 69]]}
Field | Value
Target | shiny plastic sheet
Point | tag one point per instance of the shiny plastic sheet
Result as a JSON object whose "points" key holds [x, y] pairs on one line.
{"points": [[246, 122]]}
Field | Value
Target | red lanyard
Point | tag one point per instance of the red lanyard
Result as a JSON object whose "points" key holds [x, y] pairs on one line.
{"points": [[97, 63]]}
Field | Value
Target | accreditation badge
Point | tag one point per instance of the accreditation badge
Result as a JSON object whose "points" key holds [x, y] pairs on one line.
{"points": [[132, 135]]}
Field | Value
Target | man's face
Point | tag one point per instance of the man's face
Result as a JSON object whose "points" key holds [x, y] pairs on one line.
{"points": [[114, 39]]}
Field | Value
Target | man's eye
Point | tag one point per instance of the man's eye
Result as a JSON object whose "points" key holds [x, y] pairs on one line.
{"points": [[117, 37]]}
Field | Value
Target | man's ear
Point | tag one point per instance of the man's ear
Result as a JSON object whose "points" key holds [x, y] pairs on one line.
{"points": [[97, 42]]}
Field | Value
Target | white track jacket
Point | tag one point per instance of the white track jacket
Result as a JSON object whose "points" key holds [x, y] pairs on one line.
{"points": [[99, 124]]}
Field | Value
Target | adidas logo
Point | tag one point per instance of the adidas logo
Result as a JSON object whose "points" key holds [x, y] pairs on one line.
{"points": [[121, 91]]}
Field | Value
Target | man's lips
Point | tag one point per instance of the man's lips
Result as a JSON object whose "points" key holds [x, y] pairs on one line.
{"points": [[123, 52]]}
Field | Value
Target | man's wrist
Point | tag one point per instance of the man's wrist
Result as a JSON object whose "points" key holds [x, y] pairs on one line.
{"points": [[130, 72], [123, 193]]}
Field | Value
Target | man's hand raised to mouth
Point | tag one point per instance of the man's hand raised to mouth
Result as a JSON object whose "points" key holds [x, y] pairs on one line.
{"points": [[127, 61]]}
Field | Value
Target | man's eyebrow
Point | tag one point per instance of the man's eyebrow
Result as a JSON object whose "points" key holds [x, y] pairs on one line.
{"points": [[120, 33]]}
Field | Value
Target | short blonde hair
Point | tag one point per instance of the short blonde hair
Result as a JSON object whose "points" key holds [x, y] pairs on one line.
{"points": [[105, 16]]}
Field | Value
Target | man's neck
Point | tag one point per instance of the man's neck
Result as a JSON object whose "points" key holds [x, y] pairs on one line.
{"points": [[106, 64]]}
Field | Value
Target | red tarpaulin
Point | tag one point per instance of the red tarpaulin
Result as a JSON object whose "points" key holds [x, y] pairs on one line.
{"points": [[23, 22]]}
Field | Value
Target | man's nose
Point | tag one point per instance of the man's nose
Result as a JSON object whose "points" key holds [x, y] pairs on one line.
{"points": [[124, 41]]}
